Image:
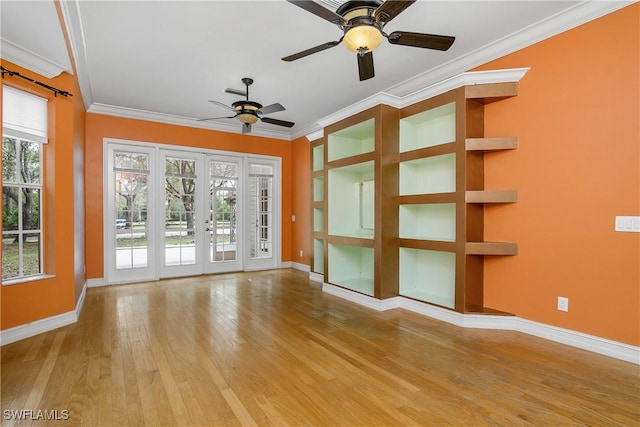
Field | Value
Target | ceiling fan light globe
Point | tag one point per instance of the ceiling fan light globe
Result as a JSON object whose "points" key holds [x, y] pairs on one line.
{"points": [[247, 118], [362, 37]]}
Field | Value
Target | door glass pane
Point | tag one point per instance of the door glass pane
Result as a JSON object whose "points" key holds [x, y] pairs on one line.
{"points": [[180, 211], [261, 211], [131, 195], [223, 232]]}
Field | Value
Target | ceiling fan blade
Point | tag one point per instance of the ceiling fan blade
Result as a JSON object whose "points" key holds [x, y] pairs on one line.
{"points": [[277, 122], [220, 104], [236, 91], [215, 118], [246, 128], [273, 108], [365, 66], [318, 10], [427, 41], [390, 9], [308, 52]]}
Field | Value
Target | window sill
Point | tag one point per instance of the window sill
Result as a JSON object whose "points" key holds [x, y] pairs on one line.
{"points": [[20, 280]]}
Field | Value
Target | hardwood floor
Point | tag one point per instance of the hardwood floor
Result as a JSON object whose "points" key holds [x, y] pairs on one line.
{"points": [[269, 348]]}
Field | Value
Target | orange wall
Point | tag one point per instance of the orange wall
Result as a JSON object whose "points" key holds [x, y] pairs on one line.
{"points": [[26, 302], [301, 199], [576, 168], [100, 126]]}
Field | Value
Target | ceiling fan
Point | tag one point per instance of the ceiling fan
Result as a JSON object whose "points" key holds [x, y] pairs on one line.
{"points": [[362, 23], [249, 112]]}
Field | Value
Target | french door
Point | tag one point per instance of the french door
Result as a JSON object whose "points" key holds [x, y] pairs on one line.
{"points": [[262, 211], [173, 212], [202, 227]]}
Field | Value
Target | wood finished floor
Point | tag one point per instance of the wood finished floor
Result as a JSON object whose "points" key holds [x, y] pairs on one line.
{"points": [[269, 348]]}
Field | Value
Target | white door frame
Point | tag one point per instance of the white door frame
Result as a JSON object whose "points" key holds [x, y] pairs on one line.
{"points": [[274, 260], [112, 274]]}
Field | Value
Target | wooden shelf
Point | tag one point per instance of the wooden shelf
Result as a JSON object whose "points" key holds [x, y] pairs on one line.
{"points": [[353, 160], [430, 245], [364, 242], [418, 199], [428, 152], [491, 248], [500, 196], [318, 235], [491, 144]]}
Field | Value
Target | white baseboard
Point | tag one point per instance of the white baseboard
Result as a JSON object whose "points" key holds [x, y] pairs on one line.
{"points": [[568, 337], [94, 283], [316, 277], [28, 330], [581, 340], [298, 266], [80, 303]]}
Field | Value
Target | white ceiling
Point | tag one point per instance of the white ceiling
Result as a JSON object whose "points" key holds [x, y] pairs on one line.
{"points": [[162, 60]]}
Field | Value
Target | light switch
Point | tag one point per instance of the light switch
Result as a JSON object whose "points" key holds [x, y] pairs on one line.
{"points": [[629, 224]]}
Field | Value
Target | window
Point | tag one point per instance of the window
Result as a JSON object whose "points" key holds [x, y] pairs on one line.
{"points": [[24, 131]]}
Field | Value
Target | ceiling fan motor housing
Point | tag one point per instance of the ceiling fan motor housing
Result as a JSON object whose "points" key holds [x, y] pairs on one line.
{"points": [[357, 4]]}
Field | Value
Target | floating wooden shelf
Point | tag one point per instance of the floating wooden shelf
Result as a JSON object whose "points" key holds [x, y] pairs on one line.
{"points": [[501, 196], [491, 248], [491, 144]]}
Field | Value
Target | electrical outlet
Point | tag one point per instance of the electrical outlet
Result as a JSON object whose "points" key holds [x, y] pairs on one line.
{"points": [[563, 304], [301, 253]]}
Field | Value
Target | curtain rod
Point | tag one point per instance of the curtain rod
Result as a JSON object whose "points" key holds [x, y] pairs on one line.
{"points": [[55, 91]]}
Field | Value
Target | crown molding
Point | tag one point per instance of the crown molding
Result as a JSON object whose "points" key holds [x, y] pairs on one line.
{"points": [[463, 79], [315, 135], [31, 61], [73, 27], [132, 113]]}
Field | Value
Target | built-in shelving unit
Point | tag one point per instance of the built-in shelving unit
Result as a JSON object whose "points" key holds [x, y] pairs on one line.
{"points": [[400, 196], [357, 196], [442, 197], [318, 222]]}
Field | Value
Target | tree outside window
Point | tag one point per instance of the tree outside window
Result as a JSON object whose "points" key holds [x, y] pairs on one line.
{"points": [[21, 208]]}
